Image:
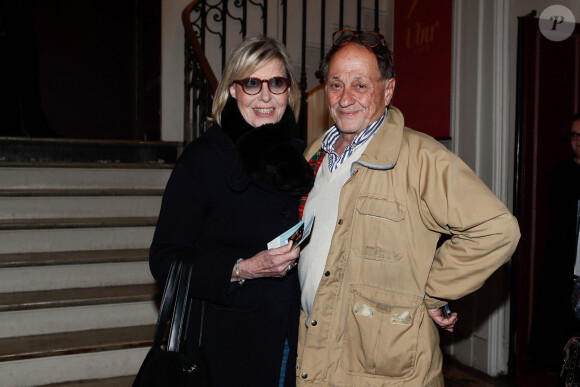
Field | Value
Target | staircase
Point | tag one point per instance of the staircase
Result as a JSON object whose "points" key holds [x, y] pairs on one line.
{"points": [[77, 299]]}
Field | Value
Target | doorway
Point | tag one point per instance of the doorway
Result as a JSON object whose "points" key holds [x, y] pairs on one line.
{"points": [[548, 87], [80, 69]]}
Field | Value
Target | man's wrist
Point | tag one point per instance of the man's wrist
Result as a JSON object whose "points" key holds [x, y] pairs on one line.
{"points": [[433, 303]]}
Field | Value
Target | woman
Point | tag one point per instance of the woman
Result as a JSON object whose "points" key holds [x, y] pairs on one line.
{"points": [[232, 191]]}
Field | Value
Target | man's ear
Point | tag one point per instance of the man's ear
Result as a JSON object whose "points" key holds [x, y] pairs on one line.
{"points": [[389, 90], [233, 90]]}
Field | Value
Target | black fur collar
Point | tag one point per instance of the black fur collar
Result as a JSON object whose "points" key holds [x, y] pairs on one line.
{"points": [[267, 153]]}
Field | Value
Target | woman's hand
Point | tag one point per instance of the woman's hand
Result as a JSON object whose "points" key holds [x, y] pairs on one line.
{"points": [[268, 263]]}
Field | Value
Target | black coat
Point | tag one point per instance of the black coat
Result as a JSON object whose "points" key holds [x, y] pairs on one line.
{"points": [[218, 207]]}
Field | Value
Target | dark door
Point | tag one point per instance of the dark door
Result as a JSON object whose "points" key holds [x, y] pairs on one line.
{"points": [[548, 96], [80, 69]]}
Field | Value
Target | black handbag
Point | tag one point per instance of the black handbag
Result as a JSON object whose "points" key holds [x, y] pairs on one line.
{"points": [[173, 366], [570, 374]]}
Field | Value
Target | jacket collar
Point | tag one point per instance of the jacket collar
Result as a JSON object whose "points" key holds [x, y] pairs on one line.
{"points": [[382, 152]]}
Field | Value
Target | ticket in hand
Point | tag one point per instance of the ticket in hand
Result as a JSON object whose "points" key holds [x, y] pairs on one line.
{"points": [[297, 234]]}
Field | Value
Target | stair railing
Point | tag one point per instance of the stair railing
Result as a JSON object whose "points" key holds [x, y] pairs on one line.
{"points": [[204, 20], [200, 81]]}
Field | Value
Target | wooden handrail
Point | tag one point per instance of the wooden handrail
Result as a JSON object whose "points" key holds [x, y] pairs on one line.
{"points": [[185, 15], [316, 89]]}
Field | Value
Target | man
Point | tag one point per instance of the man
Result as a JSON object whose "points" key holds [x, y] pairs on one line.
{"points": [[384, 195], [559, 264]]}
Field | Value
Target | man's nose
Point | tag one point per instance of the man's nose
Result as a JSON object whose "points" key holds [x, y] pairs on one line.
{"points": [[346, 98]]}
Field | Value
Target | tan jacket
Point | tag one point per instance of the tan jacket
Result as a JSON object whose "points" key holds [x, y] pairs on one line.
{"points": [[369, 325]]}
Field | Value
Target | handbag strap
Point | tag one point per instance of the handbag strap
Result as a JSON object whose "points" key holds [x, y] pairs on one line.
{"points": [[179, 321], [167, 302], [175, 297]]}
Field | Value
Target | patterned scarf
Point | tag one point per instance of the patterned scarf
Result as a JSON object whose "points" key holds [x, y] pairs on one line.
{"points": [[315, 163]]}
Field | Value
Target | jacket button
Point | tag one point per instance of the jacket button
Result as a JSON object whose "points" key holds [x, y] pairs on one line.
{"points": [[304, 375], [286, 213], [313, 323], [339, 222], [326, 273]]}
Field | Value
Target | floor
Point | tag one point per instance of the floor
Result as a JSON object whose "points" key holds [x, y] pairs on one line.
{"points": [[458, 375]]}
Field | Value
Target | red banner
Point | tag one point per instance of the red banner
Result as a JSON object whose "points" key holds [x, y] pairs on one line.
{"points": [[422, 56]]}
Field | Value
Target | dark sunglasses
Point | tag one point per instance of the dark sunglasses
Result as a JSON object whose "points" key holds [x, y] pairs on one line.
{"points": [[253, 86], [367, 38]]}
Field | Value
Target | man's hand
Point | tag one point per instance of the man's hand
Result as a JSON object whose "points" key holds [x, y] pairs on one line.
{"points": [[444, 323]]}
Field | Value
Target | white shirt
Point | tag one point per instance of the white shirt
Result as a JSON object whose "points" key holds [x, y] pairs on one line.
{"points": [[323, 201]]}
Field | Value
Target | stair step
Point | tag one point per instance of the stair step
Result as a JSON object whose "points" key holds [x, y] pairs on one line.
{"points": [[62, 310], [78, 192], [12, 208], [72, 257], [81, 165], [77, 297], [74, 276], [120, 381], [75, 239], [65, 357], [78, 302], [17, 149], [22, 323], [31, 347], [58, 370], [93, 176], [66, 223]]}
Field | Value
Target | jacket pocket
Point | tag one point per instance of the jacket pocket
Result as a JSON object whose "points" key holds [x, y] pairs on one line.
{"points": [[378, 229], [381, 332], [243, 299]]}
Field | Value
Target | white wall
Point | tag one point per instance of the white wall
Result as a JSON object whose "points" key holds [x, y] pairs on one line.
{"points": [[481, 136]]}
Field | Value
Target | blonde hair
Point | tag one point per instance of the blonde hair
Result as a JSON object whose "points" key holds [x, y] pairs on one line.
{"points": [[254, 52]]}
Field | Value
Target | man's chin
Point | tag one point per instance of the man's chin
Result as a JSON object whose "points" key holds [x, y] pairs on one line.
{"points": [[348, 129]]}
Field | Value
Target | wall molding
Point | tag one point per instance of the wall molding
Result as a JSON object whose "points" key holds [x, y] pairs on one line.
{"points": [[480, 134], [498, 353]]}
